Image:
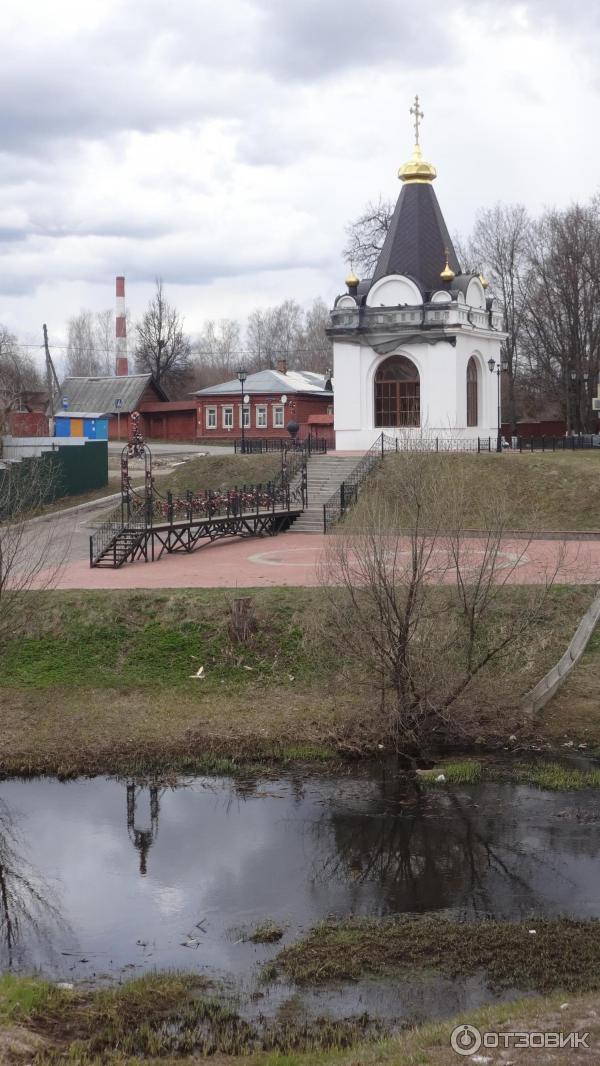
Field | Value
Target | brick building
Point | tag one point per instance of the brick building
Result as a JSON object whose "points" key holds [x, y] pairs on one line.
{"points": [[268, 401]]}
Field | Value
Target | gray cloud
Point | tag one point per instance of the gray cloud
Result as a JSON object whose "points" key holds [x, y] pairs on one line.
{"points": [[309, 38], [214, 141]]}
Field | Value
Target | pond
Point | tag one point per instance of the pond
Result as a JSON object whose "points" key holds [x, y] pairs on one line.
{"points": [[101, 879]]}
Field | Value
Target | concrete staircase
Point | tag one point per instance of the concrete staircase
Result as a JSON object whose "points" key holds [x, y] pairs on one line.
{"points": [[325, 474]]}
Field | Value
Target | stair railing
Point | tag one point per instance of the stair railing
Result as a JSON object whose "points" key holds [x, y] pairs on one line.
{"points": [[347, 494]]}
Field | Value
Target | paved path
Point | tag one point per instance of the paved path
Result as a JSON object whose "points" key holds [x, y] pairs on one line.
{"points": [[294, 559]]}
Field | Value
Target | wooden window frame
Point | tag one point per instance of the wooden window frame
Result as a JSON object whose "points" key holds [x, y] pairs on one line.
{"points": [[472, 393], [278, 407], [397, 394]]}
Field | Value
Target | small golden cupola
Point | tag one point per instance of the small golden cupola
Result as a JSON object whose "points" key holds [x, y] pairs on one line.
{"points": [[484, 281], [447, 274], [352, 281], [417, 169]]}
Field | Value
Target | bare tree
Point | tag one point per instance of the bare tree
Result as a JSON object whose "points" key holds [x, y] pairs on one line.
{"points": [[258, 339], [277, 333], [415, 603], [18, 375], [31, 555], [218, 349], [162, 347], [499, 247], [104, 340], [82, 355], [366, 236], [318, 350], [563, 314]]}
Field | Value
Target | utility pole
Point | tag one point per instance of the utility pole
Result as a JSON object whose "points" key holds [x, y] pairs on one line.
{"points": [[51, 378]]}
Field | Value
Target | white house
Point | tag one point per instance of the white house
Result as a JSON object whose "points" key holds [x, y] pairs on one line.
{"points": [[412, 344]]}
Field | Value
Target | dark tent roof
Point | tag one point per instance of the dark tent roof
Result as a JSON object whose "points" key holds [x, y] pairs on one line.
{"points": [[417, 239]]}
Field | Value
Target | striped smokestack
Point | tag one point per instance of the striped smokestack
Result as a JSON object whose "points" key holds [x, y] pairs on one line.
{"points": [[122, 366]]}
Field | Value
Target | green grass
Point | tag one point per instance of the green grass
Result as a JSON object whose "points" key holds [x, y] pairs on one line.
{"points": [[560, 954], [455, 773], [551, 776], [556, 777], [26, 997], [145, 642]]}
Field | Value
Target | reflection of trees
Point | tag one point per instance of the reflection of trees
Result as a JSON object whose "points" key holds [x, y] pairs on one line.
{"points": [[432, 852], [142, 839], [26, 904]]}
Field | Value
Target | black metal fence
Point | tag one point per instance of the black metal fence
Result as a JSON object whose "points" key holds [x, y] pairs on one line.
{"points": [[556, 444], [262, 446]]}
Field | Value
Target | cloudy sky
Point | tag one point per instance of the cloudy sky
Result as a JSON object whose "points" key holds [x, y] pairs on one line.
{"points": [[225, 144]]}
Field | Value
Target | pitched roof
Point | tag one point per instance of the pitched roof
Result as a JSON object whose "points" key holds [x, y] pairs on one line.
{"points": [[91, 394], [417, 239], [271, 381]]}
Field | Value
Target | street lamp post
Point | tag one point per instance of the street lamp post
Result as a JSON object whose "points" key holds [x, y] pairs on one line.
{"points": [[576, 382], [502, 366], [242, 375]]}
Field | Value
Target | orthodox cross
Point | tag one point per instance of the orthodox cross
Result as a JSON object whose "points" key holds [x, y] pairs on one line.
{"points": [[416, 111]]}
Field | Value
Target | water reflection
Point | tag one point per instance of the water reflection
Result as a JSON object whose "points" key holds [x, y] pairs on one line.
{"points": [[436, 851], [142, 839], [28, 908], [292, 850]]}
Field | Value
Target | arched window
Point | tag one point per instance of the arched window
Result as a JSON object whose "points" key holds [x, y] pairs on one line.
{"points": [[472, 411], [397, 393]]}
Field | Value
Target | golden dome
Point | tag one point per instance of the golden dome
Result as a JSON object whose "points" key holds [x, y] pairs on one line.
{"points": [[417, 169], [352, 280], [447, 273], [484, 281]]}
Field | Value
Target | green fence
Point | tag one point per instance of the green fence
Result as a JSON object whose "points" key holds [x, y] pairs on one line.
{"points": [[67, 470]]}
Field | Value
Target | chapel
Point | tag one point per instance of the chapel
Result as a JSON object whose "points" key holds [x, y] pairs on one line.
{"points": [[413, 344]]}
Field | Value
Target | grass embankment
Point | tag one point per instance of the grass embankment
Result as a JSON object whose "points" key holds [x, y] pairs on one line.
{"points": [[220, 472], [104, 682], [169, 1019], [558, 954], [549, 491]]}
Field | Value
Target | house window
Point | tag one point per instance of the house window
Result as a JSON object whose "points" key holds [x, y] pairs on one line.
{"points": [[228, 418], [397, 393], [472, 412], [278, 416], [245, 417], [211, 417], [261, 417]]}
